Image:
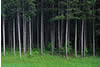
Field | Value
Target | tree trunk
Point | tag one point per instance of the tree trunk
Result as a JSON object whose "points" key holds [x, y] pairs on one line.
{"points": [[93, 32], [82, 37], [14, 35], [30, 35], [38, 31], [59, 38], [66, 41], [59, 41], [19, 37], [62, 33], [93, 38], [53, 37], [76, 39], [3, 36], [10, 37], [42, 30], [24, 35]]}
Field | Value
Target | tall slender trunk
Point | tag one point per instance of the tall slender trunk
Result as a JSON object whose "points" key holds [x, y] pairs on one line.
{"points": [[24, 35], [53, 33], [9, 36], [59, 38], [82, 37], [38, 31], [62, 33], [93, 38], [30, 35], [19, 37], [11, 39], [42, 30], [90, 35], [66, 40], [42, 34], [53, 37], [3, 36], [59, 41], [93, 31], [14, 35], [76, 39]]}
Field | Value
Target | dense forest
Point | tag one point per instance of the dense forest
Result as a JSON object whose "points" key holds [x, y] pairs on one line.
{"points": [[63, 27]]}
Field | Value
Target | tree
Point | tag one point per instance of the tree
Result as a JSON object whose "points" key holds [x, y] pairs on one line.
{"points": [[76, 39], [29, 10], [42, 31], [18, 19], [4, 6], [3, 36], [14, 35], [94, 28], [24, 30], [30, 34]]}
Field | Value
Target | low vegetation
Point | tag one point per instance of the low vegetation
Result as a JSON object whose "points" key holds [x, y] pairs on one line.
{"points": [[47, 60]]}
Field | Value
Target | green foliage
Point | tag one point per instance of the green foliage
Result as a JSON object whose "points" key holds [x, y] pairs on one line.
{"points": [[48, 60], [10, 7], [86, 50], [62, 17], [49, 46], [29, 7], [69, 47]]}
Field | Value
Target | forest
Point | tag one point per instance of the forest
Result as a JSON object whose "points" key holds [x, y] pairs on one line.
{"points": [[50, 29]]}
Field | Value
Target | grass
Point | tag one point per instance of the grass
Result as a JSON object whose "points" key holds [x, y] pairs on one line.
{"points": [[36, 60]]}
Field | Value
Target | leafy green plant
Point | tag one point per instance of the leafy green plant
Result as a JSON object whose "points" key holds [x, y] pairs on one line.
{"points": [[49, 46], [36, 52], [86, 50], [69, 47]]}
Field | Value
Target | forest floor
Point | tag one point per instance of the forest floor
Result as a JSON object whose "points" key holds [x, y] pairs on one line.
{"points": [[36, 60]]}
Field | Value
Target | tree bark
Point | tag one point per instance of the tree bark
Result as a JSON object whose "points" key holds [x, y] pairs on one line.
{"points": [[19, 37], [76, 39], [82, 37], [38, 31], [42, 29], [93, 38], [66, 41], [53, 37], [59, 41], [3, 36], [93, 32], [30, 35], [14, 35], [62, 31], [24, 35]]}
